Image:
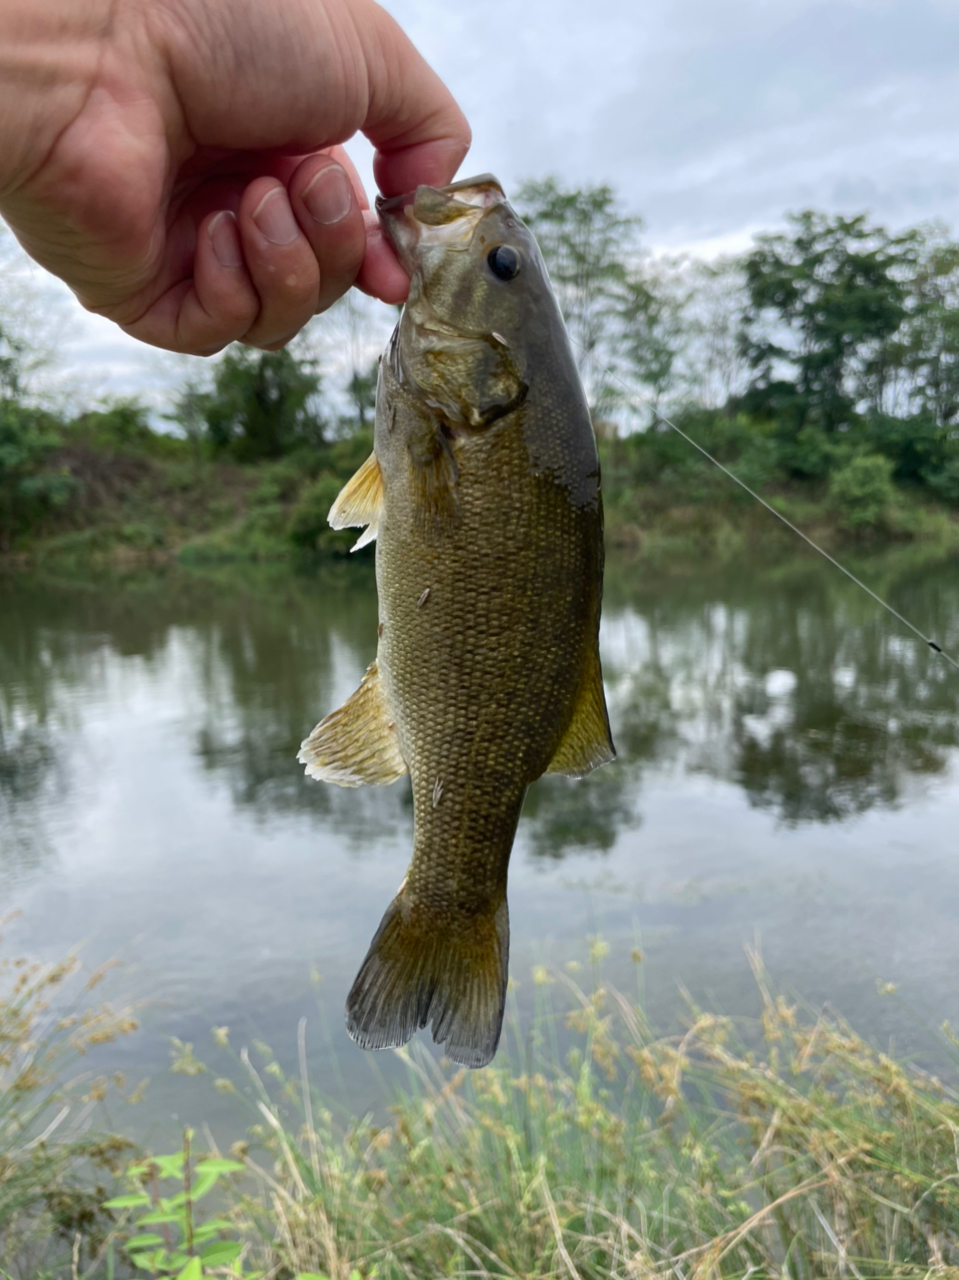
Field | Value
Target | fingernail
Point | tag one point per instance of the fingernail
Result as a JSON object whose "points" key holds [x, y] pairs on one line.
{"points": [[274, 217], [328, 195], [225, 237]]}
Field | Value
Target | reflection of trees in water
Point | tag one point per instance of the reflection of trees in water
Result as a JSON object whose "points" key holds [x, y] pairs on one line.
{"points": [[39, 661], [562, 815], [268, 675], [797, 689], [29, 779], [793, 687]]}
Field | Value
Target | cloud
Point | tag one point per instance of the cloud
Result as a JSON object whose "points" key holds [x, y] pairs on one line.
{"points": [[713, 118]]}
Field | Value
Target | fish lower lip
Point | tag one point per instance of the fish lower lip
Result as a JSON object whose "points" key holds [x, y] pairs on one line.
{"points": [[393, 204]]}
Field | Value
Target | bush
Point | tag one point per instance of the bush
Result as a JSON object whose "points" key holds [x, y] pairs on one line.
{"points": [[30, 482], [915, 445], [262, 406], [945, 482], [308, 526], [121, 427], [862, 491]]}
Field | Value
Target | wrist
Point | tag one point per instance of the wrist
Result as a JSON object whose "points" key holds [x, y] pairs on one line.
{"points": [[49, 53]]}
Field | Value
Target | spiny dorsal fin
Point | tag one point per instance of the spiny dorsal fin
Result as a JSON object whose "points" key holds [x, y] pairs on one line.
{"points": [[357, 743], [587, 743], [360, 502], [418, 970]]}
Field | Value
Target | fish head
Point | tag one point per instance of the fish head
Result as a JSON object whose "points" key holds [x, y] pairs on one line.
{"points": [[478, 283]]}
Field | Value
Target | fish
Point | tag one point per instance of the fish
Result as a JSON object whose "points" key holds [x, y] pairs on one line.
{"points": [[483, 496]]}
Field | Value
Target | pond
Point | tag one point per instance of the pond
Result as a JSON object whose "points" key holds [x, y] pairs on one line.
{"points": [[788, 777]]}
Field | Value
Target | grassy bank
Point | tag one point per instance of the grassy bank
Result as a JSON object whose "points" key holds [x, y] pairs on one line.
{"points": [[124, 493], [115, 490], [592, 1148]]}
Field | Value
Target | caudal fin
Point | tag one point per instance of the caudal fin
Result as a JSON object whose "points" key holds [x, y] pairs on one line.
{"points": [[417, 970]]}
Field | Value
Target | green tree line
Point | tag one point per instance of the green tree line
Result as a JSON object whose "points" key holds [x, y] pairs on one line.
{"points": [[825, 360]]}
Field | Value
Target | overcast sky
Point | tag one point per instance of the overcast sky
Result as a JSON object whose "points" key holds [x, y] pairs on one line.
{"points": [[711, 119]]}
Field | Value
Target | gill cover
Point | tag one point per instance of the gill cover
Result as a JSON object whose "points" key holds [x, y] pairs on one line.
{"points": [[445, 349]]}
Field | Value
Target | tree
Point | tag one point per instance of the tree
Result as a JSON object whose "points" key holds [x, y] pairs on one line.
{"points": [[262, 405], [930, 346], [361, 393], [587, 242], [624, 317], [651, 332], [29, 437], [714, 369], [824, 302]]}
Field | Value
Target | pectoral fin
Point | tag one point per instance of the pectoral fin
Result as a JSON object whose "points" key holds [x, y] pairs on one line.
{"points": [[356, 744], [587, 742], [360, 502]]}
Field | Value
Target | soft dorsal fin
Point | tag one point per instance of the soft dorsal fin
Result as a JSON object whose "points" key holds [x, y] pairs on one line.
{"points": [[356, 744], [360, 502], [587, 743]]}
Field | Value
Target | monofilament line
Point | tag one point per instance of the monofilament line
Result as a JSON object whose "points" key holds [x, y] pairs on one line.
{"points": [[936, 648], [815, 546]]}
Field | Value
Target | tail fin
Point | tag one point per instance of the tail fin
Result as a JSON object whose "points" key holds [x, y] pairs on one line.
{"points": [[417, 971]]}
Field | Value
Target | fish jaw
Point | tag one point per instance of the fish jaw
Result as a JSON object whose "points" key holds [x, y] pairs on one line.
{"points": [[436, 218]]}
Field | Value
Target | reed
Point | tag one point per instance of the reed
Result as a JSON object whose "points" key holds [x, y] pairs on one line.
{"points": [[55, 1167], [789, 1148]]}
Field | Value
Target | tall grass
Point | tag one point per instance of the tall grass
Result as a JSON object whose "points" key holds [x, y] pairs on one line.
{"points": [[785, 1146], [789, 1148], [55, 1171]]}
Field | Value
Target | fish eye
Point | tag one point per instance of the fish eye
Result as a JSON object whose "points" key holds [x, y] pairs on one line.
{"points": [[504, 261]]}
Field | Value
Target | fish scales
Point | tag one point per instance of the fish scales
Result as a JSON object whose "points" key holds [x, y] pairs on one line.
{"points": [[480, 714], [483, 495]]}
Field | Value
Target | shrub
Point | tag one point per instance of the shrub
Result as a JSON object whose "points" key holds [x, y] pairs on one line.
{"points": [[30, 482], [862, 491], [308, 526]]}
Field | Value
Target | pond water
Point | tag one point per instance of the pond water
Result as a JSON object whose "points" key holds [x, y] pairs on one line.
{"points": [[788, 772]]}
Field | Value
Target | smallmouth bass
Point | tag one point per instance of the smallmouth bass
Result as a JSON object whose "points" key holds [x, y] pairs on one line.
{"points": [[483, 496]]}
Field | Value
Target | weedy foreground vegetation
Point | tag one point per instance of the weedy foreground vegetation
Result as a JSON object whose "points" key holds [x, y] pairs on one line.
{"points": [[592, 1148]]}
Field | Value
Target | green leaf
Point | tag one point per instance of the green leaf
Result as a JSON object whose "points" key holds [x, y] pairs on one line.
{"points": [[163, 1166], [221, 1253], [192, 1271], [312, 1275], [144, 1242], [204, 1183], [148, 1261], [161, 1216], [218, 1166], [211, 1228], [126, 1202]]}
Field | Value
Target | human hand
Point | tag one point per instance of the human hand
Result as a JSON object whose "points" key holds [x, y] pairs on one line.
{"points": [[177, 162]]}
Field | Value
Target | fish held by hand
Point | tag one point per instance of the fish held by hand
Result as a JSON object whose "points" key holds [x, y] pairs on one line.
{"points": [[483, 496]]}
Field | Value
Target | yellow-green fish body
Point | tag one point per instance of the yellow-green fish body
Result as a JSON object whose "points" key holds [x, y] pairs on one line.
{"points": [[483, 495]]}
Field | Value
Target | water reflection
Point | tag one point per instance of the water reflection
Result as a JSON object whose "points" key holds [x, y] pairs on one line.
{"points": [[788, 684], [791, 685]]}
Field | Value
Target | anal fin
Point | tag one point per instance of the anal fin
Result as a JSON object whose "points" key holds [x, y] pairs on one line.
{"points": [[356, 744], [587, 742], [360, 502]]}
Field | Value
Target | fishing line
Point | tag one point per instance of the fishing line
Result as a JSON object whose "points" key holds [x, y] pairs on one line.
{"points": [[927, 640], [815, 546]]}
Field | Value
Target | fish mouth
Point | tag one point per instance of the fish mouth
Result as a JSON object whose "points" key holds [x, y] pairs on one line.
{"points": [[437, 216]]}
